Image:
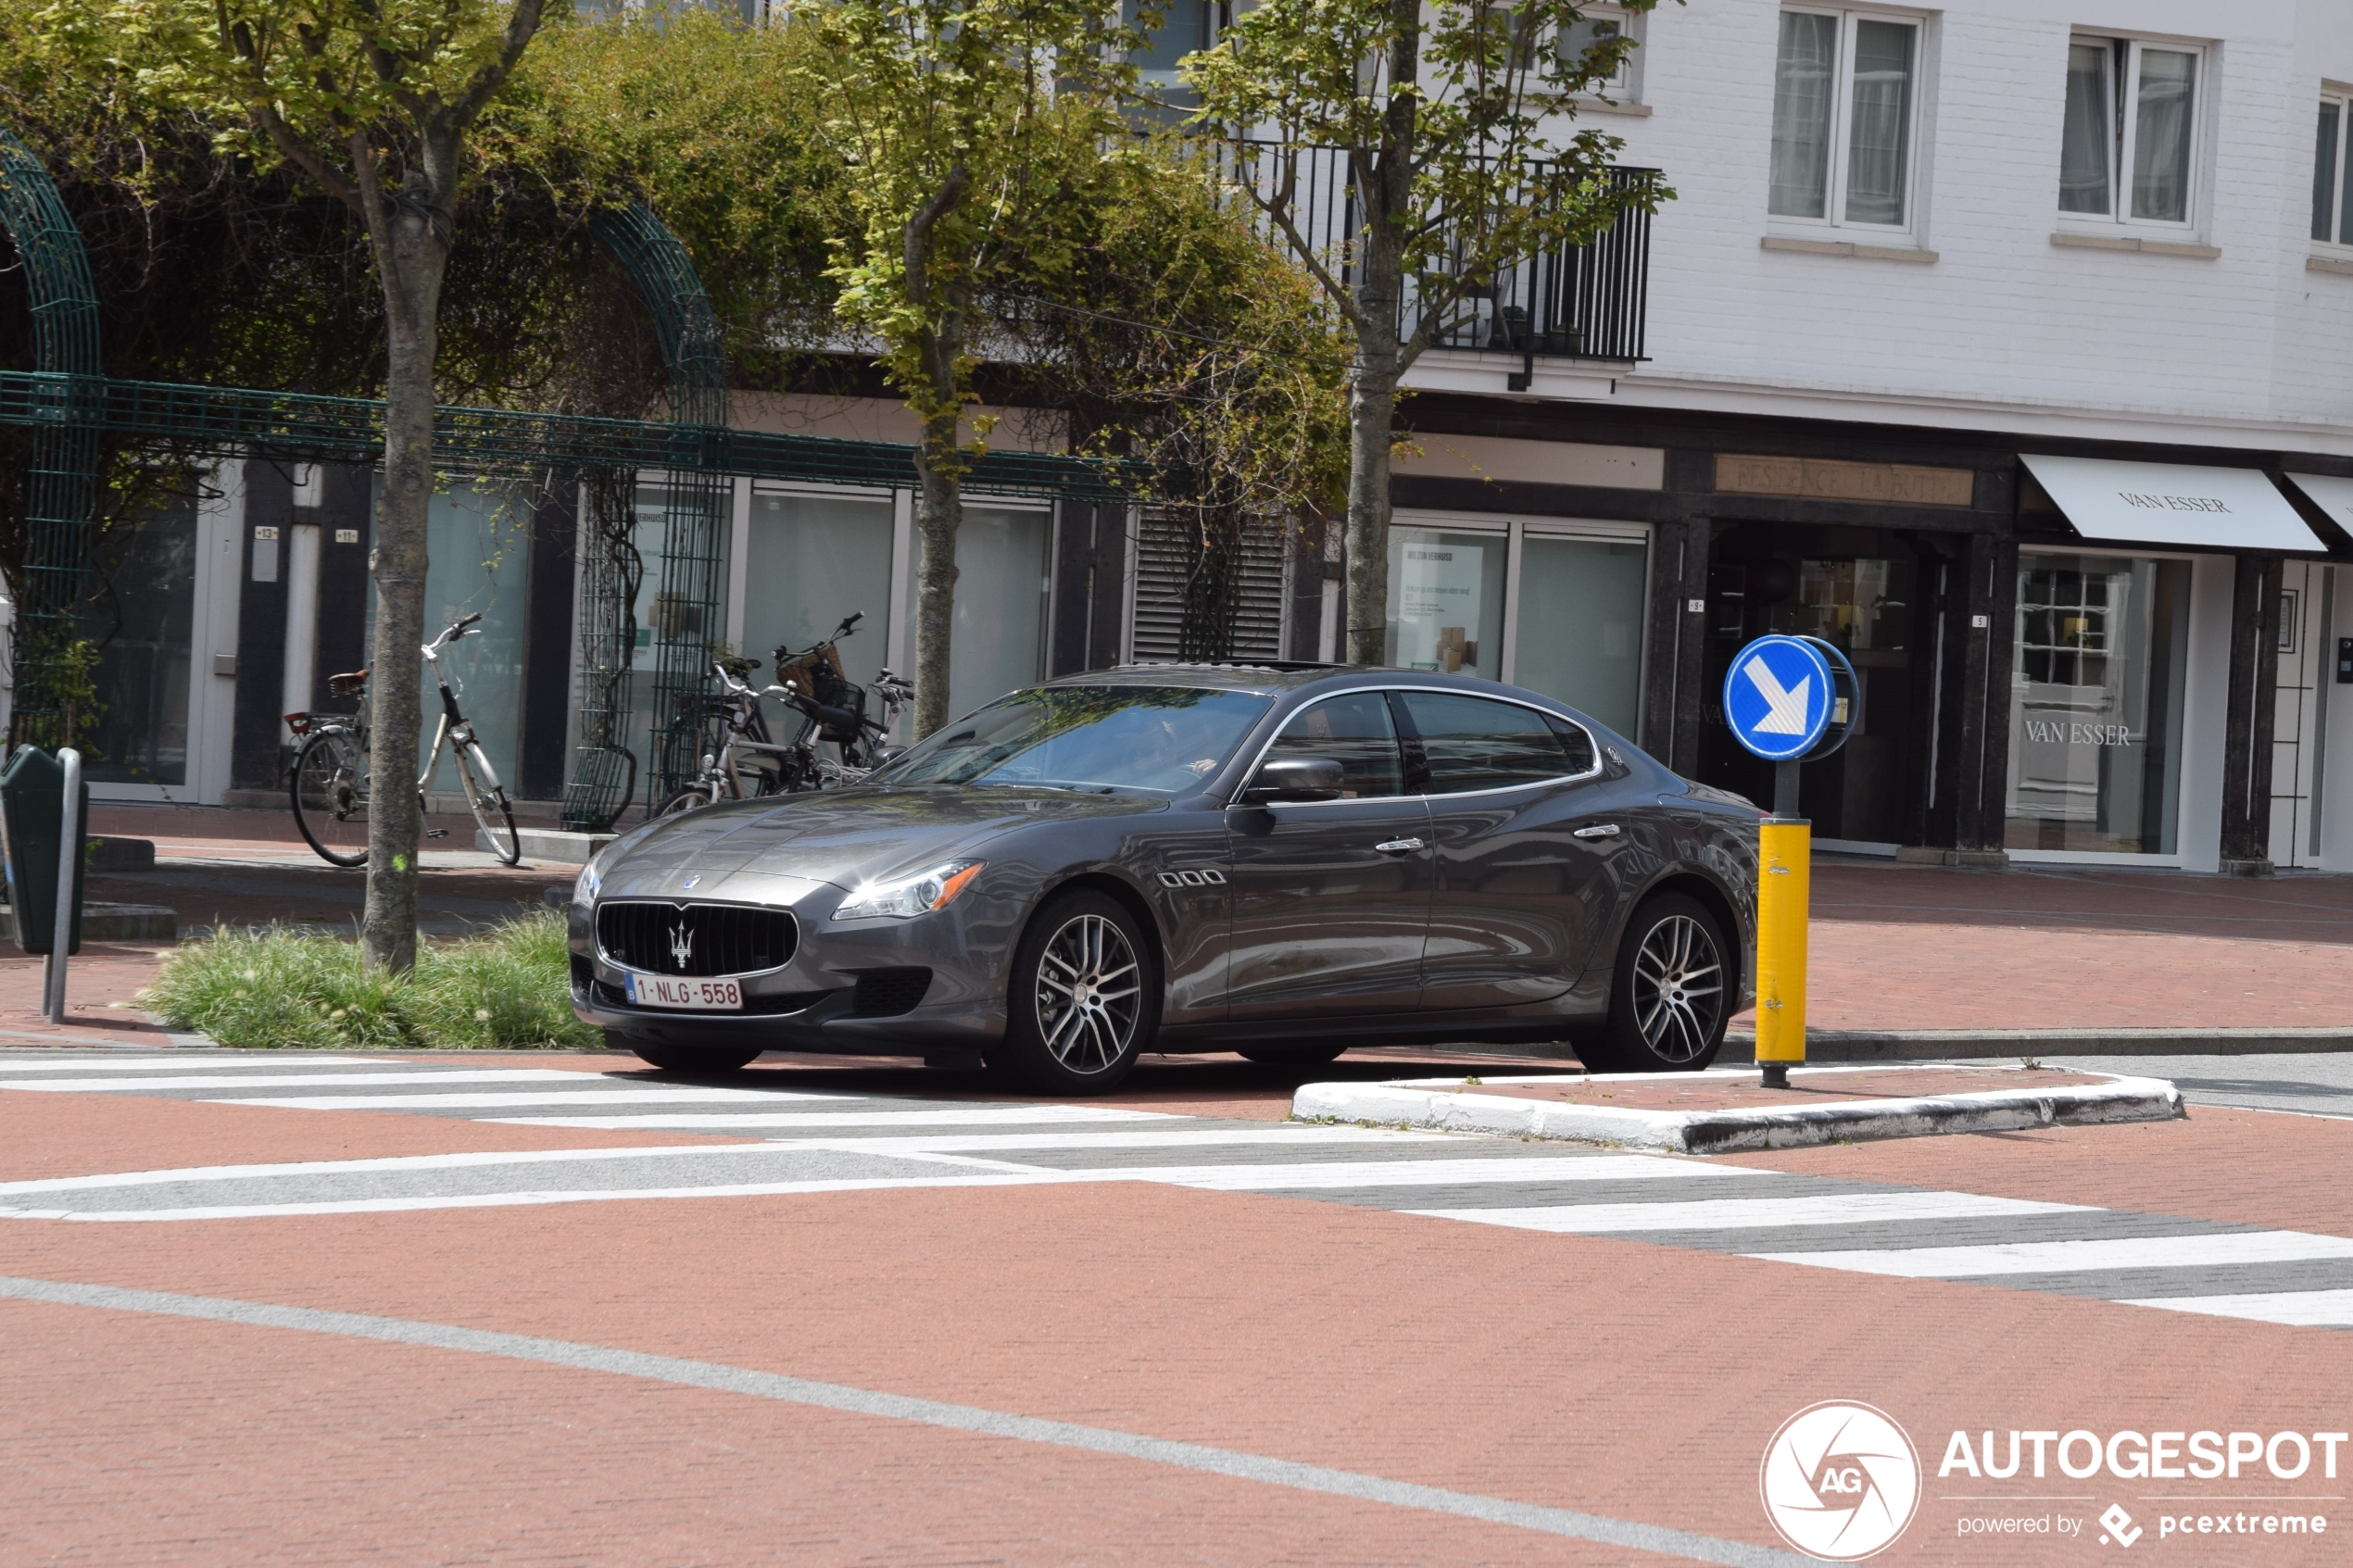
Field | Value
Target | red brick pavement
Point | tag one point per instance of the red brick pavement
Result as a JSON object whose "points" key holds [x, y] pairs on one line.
{"points": [[1625, 1379]]}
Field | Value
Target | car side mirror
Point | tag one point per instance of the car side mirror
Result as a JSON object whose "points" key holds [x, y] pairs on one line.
{"points": [[1297, 778]]}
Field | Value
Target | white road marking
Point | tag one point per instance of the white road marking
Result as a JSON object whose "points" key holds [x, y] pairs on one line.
{"points": [[383, 1165], [2213, 1250], [291, 1079], [497, 1101], [1756, 1213], [983, 1143], [977, 1117], [1361, 1174], [179, 1065], [2297, 1308]]}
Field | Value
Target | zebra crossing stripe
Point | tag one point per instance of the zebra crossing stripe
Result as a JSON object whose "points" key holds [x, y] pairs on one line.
{"points": [[1756, 1213], [2295, 1308], [2223, 1250]]}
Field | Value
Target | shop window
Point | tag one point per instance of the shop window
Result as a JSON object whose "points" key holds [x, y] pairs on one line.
{"points": [[143, 622], [2128, 142], [1845, 106], [2333, 173], [1579, 626], [810, 560], [2100, 651], [998, 642], [1446, 601]]}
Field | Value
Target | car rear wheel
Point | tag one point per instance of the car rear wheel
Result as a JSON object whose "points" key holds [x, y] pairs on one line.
{"points": [[693, 1059], [1669, 997], [1084, 1000], [1290, 1059]]}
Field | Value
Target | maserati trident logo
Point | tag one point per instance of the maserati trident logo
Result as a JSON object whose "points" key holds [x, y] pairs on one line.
{"points": [[681, 945]]}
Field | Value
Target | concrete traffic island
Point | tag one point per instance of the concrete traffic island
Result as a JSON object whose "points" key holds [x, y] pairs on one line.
{"points": [[1730, 1112]]}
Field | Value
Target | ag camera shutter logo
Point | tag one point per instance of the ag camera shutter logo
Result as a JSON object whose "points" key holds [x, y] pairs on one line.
{"points": [[1840, 1481]]}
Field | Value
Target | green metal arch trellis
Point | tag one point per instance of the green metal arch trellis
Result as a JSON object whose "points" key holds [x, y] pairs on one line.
{"points": [[69, 404], [61, 502]]}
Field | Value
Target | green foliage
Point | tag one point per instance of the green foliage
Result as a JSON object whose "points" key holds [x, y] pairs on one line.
{"points": [[973, 136], [1445, 109], [274, 988]]}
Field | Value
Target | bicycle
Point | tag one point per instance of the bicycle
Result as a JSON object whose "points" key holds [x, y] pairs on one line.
{"points": [[329, 779], [832, 709]]}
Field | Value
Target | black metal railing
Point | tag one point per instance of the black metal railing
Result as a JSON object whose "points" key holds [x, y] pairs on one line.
{"points": [[1572, 302]]}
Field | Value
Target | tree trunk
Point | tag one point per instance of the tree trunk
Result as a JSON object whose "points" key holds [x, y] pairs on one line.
{"points": [[1385, 176], [940, 513], [413, 261], [1372, 403]]}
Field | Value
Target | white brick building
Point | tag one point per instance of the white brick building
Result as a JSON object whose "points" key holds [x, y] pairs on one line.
{"points": [[1912, 249]]}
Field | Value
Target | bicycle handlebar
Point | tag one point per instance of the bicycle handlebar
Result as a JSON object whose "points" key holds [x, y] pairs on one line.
{"points": [[450, 633]]}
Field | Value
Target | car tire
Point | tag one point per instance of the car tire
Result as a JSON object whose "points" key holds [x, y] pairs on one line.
{"points": [[698, 1060], [1083, 1000], [1289, 1059], [1670, 993]]}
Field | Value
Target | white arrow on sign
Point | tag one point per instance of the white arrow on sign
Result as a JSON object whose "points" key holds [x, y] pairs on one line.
{"points": [[1785, 710]]}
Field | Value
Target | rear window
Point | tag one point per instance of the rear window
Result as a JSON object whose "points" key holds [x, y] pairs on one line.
{"points": [[1474, 743]]}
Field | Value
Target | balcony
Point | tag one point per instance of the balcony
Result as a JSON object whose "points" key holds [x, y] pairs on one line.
{"points": [[1583, 301]]}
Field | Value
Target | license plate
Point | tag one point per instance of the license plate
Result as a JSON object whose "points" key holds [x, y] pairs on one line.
{"points": [[679, 991]]}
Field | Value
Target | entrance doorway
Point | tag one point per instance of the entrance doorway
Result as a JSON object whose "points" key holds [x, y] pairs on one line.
{"points": [[1852, 588]]}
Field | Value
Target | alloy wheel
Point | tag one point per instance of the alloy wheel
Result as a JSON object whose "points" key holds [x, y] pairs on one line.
{"points": [[1679, 988], [1090, 993]]}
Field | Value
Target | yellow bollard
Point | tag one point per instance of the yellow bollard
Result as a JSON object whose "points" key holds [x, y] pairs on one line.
{"points": [[1785, 860]]}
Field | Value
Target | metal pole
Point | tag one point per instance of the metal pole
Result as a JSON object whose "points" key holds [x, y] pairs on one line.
{"points": [[69, 862], [1784, 870]]}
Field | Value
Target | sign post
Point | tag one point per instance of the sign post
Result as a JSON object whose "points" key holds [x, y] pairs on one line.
{"points": [[1788, 700]]}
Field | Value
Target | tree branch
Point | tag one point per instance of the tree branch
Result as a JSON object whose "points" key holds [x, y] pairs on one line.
{"points": [[521, 23]]}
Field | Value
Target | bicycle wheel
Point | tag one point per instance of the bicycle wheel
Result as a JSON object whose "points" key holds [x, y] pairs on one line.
{"points": [[492, 813], [692, 798], [331, 796]]}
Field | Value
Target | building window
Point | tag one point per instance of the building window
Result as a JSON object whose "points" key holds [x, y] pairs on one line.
{"points": [[2095, 704], [2332, 174], [2129, 149], [1845, 107], [1602, 26]]}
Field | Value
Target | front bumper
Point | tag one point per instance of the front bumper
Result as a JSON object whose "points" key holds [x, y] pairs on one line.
{"points": [[879, 986]]}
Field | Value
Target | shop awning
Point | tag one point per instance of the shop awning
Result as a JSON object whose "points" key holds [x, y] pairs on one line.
{"points": [[2331, 494], [2172, 505]]}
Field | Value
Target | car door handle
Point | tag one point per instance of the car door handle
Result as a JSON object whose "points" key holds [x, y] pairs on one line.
{"points": [[1399, 847], [1599, 830]]}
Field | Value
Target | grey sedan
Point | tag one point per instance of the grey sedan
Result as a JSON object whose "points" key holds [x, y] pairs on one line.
{"points": [[1282, 862]]}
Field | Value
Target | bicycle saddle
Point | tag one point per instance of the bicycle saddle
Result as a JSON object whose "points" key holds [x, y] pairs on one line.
{"points": [[345, 685]]}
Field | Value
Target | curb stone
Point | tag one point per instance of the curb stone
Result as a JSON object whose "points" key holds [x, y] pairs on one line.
{"points": [[1437, 1103]]}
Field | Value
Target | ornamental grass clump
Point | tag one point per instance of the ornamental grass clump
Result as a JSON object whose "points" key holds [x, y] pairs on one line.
{"points": [[290, 989]]}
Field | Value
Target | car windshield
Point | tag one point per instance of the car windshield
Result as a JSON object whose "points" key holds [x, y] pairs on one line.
{"points": [[1162, 740]]}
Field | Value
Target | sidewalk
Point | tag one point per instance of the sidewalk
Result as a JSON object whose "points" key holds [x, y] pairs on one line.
{"points": [[1928, 947], [1893, 947]]}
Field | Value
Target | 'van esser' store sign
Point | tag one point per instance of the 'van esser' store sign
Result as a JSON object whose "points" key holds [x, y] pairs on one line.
{"points": [[2173, 503], [2065, 731]]}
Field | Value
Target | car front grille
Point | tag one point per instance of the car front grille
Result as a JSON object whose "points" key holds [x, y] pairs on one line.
{"points": [[663, 938]]}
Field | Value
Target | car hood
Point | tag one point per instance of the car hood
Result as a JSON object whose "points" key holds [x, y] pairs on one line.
{"points": [[844, 837]]}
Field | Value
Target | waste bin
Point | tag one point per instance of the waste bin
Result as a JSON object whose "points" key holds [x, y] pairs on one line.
{"points": [[31, 795]]}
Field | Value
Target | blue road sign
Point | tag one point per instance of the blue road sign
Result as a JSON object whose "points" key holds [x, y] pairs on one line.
{"points": [[1779, 696]]}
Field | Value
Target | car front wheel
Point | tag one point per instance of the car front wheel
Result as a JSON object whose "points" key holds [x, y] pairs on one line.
{"points": [[1669, 997], [1083, 1001]]}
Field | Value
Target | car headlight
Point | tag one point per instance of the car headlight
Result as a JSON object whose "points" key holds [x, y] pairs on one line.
{"points": [[917, 895], [590, 879]]}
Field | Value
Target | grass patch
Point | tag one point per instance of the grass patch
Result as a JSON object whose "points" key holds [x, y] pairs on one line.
{"points": [[504, 989]]}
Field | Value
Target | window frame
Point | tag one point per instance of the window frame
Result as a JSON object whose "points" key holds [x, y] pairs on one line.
{"points": [[1834, 175], [1626, 87], [2123, 132], [2340, 207], [1408, 744]]}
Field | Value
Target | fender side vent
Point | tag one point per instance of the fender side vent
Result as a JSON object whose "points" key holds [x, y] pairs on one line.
{"points": [[887, 993]]}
